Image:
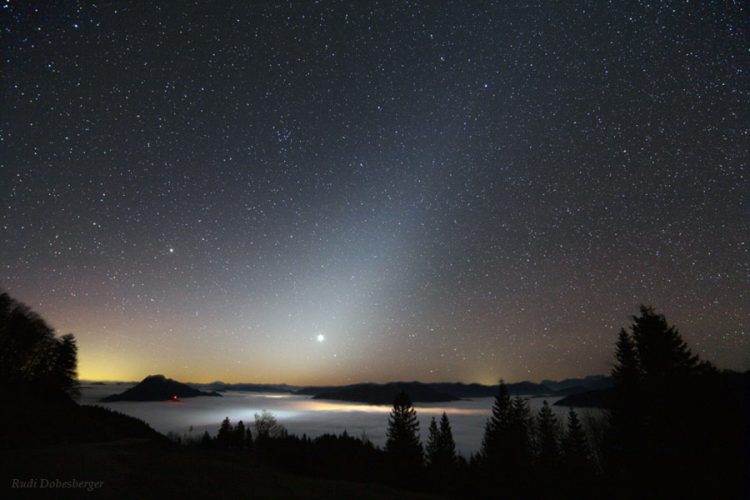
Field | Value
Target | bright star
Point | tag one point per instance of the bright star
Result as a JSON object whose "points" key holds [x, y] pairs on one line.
{"points": [[320, 337]]}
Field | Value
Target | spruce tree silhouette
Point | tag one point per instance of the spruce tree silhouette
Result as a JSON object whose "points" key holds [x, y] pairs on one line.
{"points": [[662, 354], [548, 444], [519, 456], [402, 445], [575, 446], [657, 431], [65, 367], [577, 464], [441, 448], [225, 434], [506, 454], [625, 371], [432, 448], [239, 437], [206, 440], [447, 446], [496, 428]]}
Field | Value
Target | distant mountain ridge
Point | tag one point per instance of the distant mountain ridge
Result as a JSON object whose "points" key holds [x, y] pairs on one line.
{"points": [[449, 391], [578, 385], [219, 386], [157, 388], [386, 393]]}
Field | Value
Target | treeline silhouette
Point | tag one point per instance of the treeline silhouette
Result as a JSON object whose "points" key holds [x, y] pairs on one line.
{"points": [[39, 386], [677, 429], [33, 360]]}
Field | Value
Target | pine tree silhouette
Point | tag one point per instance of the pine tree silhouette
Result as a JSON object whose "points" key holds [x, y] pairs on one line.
{"points": [[65, 365], [519, 442], [656, 430], [239, 435], [548, 436], [432, 448], [577, 463], [661, 351], [447, 444], [575, 445], [506, 454], [625, 371], [496, 427], [441, 448], [206, 440], [224, 436], [402, 445]]}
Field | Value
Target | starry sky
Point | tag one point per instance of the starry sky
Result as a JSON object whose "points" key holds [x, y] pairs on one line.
{"points": [[328, 192]]}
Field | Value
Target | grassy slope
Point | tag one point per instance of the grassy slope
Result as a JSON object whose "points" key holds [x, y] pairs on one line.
{"points": [[58, 439], [140, 468]]}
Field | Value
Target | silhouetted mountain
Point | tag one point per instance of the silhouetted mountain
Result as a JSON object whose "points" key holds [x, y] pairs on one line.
{"points": [[158, 388], [222, 387], [418, 391], [602, 398], [460, 390], [578, 385], [526, 389], [386, 393], [314, 390]]}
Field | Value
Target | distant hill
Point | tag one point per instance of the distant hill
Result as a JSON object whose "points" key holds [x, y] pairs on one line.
{"points": [[386, 393], [578, 385], [157, 388], [602, 398], [160, 388], [222, 387], [419, 392]]}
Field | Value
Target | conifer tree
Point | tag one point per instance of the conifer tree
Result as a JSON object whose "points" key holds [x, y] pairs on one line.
{"points": [[65, 372], [656, 377], [519, 450], [577, 464], [224, 436], [625, 371], [441, 448], [239, 435], [548, 440], [661, 351], [206, 439], [575, 445], [496, 427], [403, 445], [432, 449], [447, 444]]}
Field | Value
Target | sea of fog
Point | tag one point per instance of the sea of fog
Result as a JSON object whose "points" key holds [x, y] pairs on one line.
{"points": [[302, 414]]}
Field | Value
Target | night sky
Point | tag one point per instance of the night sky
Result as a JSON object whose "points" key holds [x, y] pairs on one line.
{"points": [[331, 192]]}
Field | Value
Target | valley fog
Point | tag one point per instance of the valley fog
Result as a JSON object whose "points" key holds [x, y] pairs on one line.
{"points": [[304, 415]]}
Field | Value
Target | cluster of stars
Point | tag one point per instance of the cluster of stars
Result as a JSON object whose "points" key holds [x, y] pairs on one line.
{"points": [[448, 191]]}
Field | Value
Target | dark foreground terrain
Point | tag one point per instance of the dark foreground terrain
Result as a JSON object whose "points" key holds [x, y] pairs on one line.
{"points": [[44, 439], [142, 468]]}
